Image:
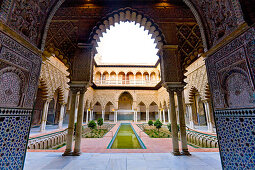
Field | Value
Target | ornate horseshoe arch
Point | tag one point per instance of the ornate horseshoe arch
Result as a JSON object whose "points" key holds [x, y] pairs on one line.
{"points": [[125, 15]]}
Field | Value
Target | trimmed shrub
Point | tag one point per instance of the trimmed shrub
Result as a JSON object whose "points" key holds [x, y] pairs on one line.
{"points": [[100, 122], [158, 124], [92, 125], [150, 123]]}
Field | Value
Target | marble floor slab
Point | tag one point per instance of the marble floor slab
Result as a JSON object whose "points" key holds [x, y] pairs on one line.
{"points": [[122, 161]]}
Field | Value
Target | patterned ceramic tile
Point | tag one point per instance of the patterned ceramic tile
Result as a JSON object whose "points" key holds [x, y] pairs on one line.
{"points": [[237, 139], [14, 132]]}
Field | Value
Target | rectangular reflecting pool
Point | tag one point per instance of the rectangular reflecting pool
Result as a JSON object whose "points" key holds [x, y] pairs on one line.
{"points": [[126, 138]]}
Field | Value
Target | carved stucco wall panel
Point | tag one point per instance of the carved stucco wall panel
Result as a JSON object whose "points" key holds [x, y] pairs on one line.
{"points": [[220, 17], [232, 59], [54, 75], [196, 78], [19, 74], [28, 18], [231, 78], [145, 96]]}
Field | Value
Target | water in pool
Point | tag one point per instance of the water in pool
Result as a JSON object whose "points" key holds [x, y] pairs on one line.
{"points": [[126, 138]]}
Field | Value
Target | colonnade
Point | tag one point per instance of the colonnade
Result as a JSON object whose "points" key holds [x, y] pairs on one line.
{"points": [[208, 114], [161, 115], [45, 115], [178, 89], [126, 79], [78, 133]]}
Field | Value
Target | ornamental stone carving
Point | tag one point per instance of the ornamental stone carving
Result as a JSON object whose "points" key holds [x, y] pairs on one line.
{"points": [[229, 62], [221, 16], [27, 17]]}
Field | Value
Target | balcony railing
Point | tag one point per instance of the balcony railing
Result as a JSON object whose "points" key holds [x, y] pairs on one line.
{"points": [[126, 82]]}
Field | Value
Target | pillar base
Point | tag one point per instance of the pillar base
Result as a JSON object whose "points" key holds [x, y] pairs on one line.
{"points": [[186, 153], [67, 153], [76, 153], [176, 153]]}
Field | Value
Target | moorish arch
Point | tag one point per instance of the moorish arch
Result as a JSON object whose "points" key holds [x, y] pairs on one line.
{"points": [[127, 15], [125, 101], [153, 111], [193, 91], [207, 7], [44, 86], [61, 94], [109, 111], [51, 50]]}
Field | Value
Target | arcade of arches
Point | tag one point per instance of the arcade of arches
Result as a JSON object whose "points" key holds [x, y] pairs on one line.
{"points": [[205, 75]]}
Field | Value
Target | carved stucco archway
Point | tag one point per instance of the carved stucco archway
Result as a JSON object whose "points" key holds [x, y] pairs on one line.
{"points": [[121, 16], [127, 15]]}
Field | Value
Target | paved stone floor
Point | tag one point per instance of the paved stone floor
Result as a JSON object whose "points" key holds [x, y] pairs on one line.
{"points": [[123, 161]]}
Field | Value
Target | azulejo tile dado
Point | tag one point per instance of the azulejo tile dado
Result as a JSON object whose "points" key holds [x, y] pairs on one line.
{"points": [[14, 131], [236, 134]]}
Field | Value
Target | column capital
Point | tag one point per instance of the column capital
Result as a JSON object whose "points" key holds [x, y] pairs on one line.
{"points": [[206, 100], [47, 100], [174, 86], [62, 103], [189, 104], [79, 86]]}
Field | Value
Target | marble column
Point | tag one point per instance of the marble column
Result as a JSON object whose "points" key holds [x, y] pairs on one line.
{"points": [[185, 151], [208, 113], [168, 114], [44, 115], [70, 131], [87, 116], [191, 121], [78, 131], [175, 142], [160, 115], [76, 108], [61, 117], [164, 117], [116, 116], [90, 115], [147, 116], [103, 113]]}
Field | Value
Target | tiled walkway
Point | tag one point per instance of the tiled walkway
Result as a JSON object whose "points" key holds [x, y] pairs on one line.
{"points": [[123, 161]]}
